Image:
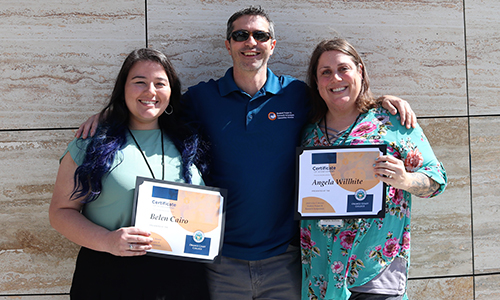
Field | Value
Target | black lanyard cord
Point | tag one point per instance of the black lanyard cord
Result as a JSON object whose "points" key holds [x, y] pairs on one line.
{"points": [[144, 156]]}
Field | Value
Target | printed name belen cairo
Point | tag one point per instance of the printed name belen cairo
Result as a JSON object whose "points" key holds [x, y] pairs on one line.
{"points": [[341, 181], [167, 218]]}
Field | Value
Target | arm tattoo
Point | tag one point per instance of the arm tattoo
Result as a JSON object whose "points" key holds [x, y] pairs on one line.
{"points": [[422, 185]]}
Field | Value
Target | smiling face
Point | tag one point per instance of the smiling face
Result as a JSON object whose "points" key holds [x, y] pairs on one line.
{"points": [[339, 80], [147, 94], [250, 55]]}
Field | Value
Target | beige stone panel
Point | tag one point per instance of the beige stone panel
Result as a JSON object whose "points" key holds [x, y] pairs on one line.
{"points": [[483, 57], [192, 34], [34, 258], [441, 226], [413, 49], [487, 287], [485, 153], [461, 288], [59, 59]]}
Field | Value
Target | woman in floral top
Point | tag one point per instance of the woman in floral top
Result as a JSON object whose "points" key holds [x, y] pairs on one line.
{"points": [[363, 258]]}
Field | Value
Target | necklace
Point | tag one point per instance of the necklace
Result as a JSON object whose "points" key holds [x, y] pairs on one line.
{"points": [[338, 134], [144, 156]]}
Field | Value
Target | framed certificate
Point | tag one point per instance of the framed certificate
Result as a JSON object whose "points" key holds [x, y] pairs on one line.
{"points": [[186, 221], [338, 182]]}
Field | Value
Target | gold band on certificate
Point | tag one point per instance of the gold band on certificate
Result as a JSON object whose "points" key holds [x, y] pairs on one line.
{"points": [[339, 182], [185, 221]]}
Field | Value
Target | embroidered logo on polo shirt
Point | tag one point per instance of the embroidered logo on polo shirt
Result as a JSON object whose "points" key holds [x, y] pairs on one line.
{"points": [[282, 115]]}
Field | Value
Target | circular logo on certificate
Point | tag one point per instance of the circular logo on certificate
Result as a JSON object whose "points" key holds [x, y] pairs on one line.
{"points": [[198, 236], [360, 195], [272, 116]]}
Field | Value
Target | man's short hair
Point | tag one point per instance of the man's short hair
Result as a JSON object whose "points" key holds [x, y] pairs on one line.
{"points": [[249, 11]]}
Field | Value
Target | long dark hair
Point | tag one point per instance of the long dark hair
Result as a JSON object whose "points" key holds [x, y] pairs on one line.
{"points": [[365, 99], [111, 134]]}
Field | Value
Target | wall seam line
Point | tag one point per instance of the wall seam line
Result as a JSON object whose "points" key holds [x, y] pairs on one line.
{"points": [[470, 153]]}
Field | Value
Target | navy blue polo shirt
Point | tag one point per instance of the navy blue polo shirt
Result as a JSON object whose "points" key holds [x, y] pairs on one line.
{"points": [[253, 141]]}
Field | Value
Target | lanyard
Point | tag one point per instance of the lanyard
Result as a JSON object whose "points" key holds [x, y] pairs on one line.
{"points": [[144, 156]]}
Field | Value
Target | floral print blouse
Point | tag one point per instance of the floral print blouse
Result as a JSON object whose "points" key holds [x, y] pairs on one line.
{"points": [[336, 258]]}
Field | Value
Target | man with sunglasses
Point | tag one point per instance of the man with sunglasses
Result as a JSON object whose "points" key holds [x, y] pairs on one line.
{"points": [[253, 120]]}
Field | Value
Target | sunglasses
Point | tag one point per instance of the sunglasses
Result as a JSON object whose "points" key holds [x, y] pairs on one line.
{"points": [[243, 35]]}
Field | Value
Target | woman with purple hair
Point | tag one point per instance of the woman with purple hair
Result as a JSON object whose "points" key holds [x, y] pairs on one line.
{"points": [[140, 134]]}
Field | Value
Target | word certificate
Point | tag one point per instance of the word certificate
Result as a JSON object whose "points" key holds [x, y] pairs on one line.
{"points": [[186, 221], [339, 182]]}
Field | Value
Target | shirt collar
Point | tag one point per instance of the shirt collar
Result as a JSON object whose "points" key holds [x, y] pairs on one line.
{"points": [[227, 84]]}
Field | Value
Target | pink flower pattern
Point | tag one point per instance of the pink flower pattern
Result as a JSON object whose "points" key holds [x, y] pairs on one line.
{"points": [[347, 238], [396, 195], [391, 247], [337, 267], [414, 161], [305, 239], [363, 129], [406, 241]]}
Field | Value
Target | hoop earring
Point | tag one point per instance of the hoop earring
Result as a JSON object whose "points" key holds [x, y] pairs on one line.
{"points": [[171, 110]]}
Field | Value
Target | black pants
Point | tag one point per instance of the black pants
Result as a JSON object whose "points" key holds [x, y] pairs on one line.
{"points": [[100, 275]]}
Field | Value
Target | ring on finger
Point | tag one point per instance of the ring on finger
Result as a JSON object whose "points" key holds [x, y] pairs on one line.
{"points": [[130, 246]]}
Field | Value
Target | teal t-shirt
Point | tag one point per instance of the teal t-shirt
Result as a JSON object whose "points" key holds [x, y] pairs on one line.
{"points": [[113, 208]]}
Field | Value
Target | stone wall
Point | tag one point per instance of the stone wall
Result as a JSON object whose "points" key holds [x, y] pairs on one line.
{"points": [[59, 59]]}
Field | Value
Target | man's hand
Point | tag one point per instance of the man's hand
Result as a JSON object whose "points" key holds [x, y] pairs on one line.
{"points": [[89, 126], [394, 105]]}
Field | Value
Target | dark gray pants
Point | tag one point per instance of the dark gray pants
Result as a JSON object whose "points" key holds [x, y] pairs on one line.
{"points": [[366, 296], [274, 278]]}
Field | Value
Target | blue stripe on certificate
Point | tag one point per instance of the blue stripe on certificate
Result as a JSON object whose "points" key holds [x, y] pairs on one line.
{"points": [[324, 158], [165, 193]]}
